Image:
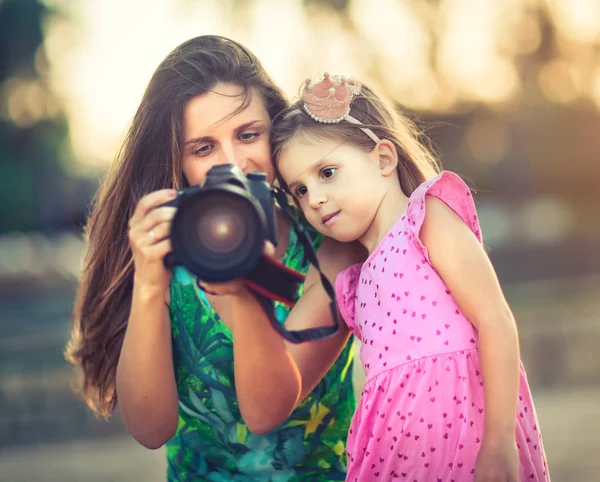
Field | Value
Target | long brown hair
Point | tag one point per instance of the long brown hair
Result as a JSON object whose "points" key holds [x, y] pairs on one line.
{"points": [[416, 162], [150, 159]]}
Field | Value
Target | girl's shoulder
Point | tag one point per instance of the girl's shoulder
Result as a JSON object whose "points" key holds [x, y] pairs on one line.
{"points": [[451, 190], [448, 187]]}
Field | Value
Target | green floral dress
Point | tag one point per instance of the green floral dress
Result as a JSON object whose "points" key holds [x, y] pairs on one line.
{"points": [[212, 442]]}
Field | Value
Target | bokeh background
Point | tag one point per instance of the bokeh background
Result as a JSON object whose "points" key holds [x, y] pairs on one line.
{"points": [[508, 91]]}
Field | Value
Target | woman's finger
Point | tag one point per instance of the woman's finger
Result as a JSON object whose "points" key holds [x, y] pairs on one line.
{"points": [[157, 233], [150, 202], [153, 218], [155, 227], [269, 249], [159, 250]]}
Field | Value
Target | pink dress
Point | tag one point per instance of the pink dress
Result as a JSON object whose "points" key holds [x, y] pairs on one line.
{"points": [[420, 416]]}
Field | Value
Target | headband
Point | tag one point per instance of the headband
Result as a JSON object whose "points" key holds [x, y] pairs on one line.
{"points": [[328, 101]]}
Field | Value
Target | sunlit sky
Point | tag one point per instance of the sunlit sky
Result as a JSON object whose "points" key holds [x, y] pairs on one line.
{"points": [[103, 55]]}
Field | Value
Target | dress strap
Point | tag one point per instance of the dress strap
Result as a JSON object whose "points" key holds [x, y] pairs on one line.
{"points": [[449, 188]]}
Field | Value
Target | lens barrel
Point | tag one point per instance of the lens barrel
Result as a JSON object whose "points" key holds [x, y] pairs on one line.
{"points": [[218, 232]]}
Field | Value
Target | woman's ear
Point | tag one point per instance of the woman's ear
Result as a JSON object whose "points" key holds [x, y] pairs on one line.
{"points": [[388, 157]]}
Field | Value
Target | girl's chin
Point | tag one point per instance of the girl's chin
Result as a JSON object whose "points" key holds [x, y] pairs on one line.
{"points": [[345, 238], [338, 236]]}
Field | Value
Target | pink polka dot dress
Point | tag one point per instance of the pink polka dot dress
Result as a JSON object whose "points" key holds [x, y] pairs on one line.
{"points": [[420, 416]]}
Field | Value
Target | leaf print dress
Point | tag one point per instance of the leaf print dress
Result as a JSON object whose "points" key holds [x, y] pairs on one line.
{"points": [[420, 416], [212, 443]]}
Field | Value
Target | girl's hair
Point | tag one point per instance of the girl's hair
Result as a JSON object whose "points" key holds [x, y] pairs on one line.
{"points": [[416, 162], [150, 159]]}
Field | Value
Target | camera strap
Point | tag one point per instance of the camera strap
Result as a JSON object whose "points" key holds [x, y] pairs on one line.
{"points": [[274, 280], [271, 280]]}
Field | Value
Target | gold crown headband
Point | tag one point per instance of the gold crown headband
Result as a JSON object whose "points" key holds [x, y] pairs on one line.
{"points": [[328, 101]]}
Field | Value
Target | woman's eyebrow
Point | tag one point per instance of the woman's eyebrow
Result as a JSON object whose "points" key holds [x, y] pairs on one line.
{"points": [[246, 125], [243, 127]]}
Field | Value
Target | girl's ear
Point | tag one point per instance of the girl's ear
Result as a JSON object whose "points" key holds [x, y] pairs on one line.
{"points": [[388, 157]]}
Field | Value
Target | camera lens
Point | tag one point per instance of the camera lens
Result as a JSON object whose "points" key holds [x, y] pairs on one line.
{"points": [[219, 233], [221, 229]]}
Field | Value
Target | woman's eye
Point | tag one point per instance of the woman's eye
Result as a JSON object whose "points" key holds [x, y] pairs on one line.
{"points": [[301, 191], [249, 136], [328, 172], [203, 150]]}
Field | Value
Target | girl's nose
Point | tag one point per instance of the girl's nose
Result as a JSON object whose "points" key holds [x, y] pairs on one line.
{"points": [[316, 199]]}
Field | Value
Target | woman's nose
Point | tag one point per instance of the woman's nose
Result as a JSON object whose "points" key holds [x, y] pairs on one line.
{"points": [[242, 163], [231, 156]]}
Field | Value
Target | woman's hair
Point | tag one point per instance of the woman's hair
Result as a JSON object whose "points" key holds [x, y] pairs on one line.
{"points": [[150, 159], [416, 162]]}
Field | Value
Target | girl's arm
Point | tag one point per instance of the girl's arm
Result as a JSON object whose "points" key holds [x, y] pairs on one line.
{"points": [[146, 388], [273, 376], [464, 266]]}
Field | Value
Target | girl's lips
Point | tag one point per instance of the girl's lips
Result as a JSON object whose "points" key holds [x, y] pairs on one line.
{"points": [[329, 217]]}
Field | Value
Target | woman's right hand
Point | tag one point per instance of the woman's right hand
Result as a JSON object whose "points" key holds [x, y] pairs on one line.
{"points": [[149, 229]]}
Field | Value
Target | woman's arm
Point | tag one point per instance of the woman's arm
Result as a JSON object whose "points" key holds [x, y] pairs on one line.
{"points": [[273, 376], [146, 387], [464, 266]]}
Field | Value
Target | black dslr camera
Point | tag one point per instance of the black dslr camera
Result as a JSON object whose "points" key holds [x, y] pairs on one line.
{"points": [[220, 226], [218, 233]]}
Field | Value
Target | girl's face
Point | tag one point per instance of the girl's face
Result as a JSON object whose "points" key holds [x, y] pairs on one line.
{"points": [[211, 137], [338, 186]]}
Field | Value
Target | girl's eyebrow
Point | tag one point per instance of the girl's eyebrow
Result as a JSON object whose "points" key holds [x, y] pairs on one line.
{"points": [[243, 127], [315, 167]]}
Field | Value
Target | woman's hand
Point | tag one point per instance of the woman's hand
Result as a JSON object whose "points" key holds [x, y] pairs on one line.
{"points": [[498, 462], [235, 287], [149, 238]]}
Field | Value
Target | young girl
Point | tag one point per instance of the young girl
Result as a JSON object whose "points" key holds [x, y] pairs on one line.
{"points": [[446, 397]]}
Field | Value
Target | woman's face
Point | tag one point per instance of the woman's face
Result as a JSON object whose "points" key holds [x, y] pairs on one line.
{"points": [[212, 137]]}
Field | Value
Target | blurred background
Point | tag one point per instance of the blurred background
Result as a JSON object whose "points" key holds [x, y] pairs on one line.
{"points": [[508, 92]]}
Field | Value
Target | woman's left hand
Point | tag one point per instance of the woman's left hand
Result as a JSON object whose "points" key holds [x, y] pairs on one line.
{"points": [[234, 287], [498, 462]]}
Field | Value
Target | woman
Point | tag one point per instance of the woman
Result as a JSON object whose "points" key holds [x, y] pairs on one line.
{"points": [[152, 342]]}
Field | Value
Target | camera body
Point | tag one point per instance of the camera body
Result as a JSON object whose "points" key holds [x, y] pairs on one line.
{"points": [[220, 226], [218, 233]]}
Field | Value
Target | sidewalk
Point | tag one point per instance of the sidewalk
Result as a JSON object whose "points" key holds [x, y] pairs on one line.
{"points": [[570, 426]]}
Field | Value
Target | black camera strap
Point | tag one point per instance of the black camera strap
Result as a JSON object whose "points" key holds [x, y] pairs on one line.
{"points": [[274, 280], [271, 280]]}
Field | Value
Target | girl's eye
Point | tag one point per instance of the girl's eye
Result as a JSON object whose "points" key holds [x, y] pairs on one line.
{"points": [[248, 136], [328, 172], [301, 191], [204, 150]]}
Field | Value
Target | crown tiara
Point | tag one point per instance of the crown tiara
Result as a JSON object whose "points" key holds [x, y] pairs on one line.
{"points": [[329, 100]]}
